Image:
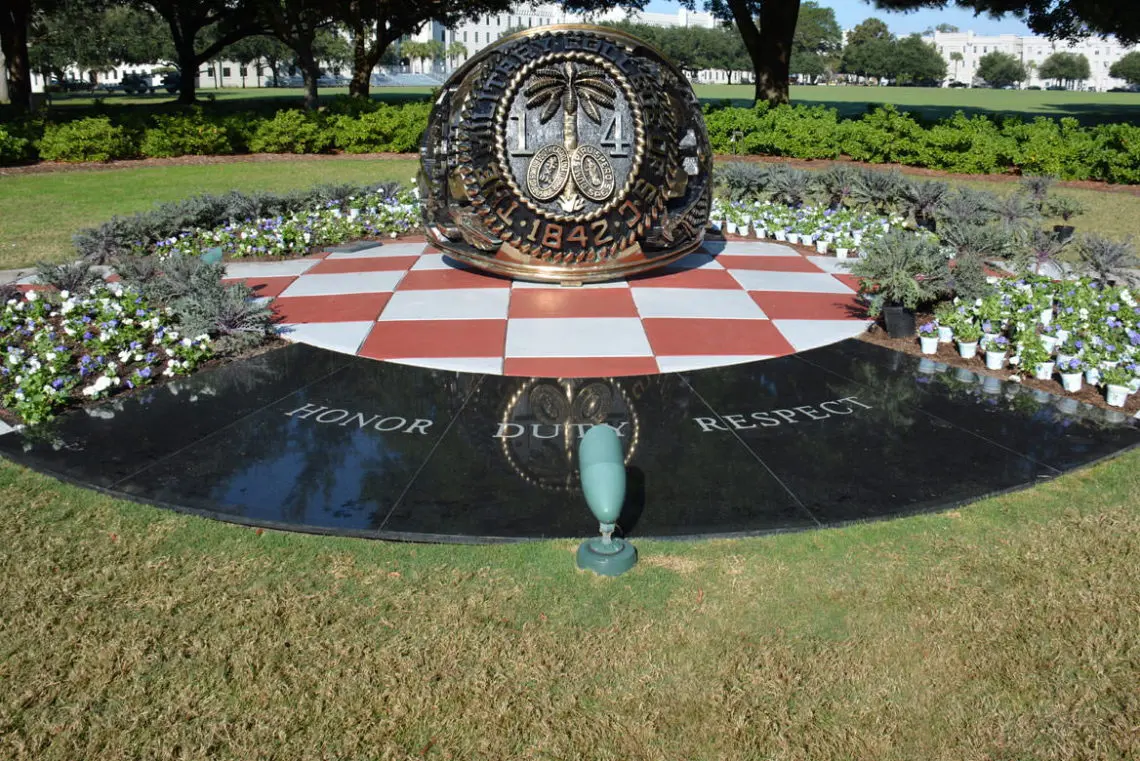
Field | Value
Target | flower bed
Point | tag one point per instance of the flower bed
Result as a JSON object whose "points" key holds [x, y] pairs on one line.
{"points": [[370, 215], [1069, 333], [840, 230], [61, 348]]}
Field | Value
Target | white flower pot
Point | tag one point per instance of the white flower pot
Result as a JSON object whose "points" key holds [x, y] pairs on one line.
{"points": [[1043, 371], [794, 238], [1115, 395], [714, 225], [840, 253], [945, 334], [1134, 385], [761, 232], [731, 227], [929, 344], [1062, 335], [1047, 317], [995, 360], [821, 246], [1071, 382], [1109, 364], [781, 235], [1049, 342], [968, 350], [1092, 376]]}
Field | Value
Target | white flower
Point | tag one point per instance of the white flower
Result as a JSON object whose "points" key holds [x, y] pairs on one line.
{"points": [[31, 296]]}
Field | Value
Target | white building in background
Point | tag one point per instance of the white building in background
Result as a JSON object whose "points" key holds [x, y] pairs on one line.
{"points": [[1031, 51], [478, 33]]}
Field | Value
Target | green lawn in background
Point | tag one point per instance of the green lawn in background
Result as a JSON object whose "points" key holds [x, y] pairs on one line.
{"points": [[42, 211], [1002, 630], [930, 102]]}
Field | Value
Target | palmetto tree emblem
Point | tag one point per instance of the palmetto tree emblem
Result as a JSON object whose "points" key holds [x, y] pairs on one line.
{"points": [[568, 168]]}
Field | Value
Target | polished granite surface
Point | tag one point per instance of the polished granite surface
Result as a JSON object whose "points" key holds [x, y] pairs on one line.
{"points": [[306, 439]]}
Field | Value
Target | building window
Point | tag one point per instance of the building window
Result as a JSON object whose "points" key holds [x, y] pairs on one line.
{"points": [[465, 35], [476, 38], [225, 71], [241, 72]]}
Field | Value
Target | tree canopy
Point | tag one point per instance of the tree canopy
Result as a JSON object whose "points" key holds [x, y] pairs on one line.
{"points": [[817, 41], [1067, 68], [1127, 68], [1000, 69]]}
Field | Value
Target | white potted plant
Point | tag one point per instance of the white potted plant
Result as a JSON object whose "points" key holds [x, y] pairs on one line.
{"points": [[843, 246], [996, 351], [821, 246], [1035, 359], [1072, 373], [1116, 388], [945, 315], [968, 333], [928, 337]]}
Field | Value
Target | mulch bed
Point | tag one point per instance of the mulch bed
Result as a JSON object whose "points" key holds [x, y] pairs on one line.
{"points": [[948, 354]]}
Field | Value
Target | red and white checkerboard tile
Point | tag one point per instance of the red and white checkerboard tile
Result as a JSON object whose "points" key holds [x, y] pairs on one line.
{"points": [[406, 302]]}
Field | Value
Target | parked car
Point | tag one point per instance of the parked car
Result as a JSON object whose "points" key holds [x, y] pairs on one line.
{"points": [[957, 84], [172, 82], [136, 84], [68, 85]]}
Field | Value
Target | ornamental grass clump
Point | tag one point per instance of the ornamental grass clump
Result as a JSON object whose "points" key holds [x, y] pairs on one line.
{"points": [[902, 269], [1108, 260], [62, 348]]}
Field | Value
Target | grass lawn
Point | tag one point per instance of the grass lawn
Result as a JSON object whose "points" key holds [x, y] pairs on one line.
{"points": [[42, 211], [930, 102], [1002, 630]]}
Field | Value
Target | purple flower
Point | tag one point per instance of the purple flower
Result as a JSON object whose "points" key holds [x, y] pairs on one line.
{"points": [[1114, 307], [145, 372], [987, 327], [57, 383]]}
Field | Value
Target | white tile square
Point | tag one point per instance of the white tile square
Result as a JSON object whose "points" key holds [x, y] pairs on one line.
{"points": [[388, 249], [449, 304], [577, 337], [789, 282], [345, 337], [270, 269], [808, 334], [748, 248], [831, 265], [696, 302], [488, 365], [695, 261], [680, 364], [344, 283], [582, 287]]}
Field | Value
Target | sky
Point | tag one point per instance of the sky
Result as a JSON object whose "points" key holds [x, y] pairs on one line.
{"points": [[850, 12]]}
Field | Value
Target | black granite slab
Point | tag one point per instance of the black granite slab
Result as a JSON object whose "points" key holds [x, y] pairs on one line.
{"points": [[104, 444], [334, 456], [508, 466], [304, 439]]}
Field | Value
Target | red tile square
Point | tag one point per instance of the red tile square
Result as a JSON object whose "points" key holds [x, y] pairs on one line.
{"points": [[264, 286], [433, 280], [689, 337], [766, 263], [400, 339], [377, 264], [568, 302], [685, 278], [579, 367], [782, 305], [354, 307]]}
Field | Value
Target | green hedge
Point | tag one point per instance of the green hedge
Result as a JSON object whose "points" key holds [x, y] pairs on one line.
{"points": [[975, 145]]}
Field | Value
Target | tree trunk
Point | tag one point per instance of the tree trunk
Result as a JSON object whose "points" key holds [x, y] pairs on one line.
{"points": [[14, 45], [769, 46], [362, 65], [310, 71], [188, 72]]}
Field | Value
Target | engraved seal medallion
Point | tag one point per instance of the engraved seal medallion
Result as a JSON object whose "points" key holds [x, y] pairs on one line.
{"points": [[566, 154]]}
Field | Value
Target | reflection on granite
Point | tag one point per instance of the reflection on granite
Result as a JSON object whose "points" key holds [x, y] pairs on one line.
{"points": [[507, 469], [306, 439]]}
